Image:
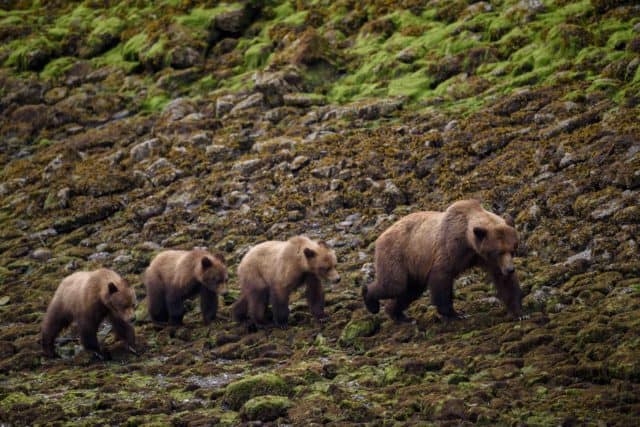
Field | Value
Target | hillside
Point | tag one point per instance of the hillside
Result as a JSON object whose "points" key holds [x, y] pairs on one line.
{"points": [[132, 126]]}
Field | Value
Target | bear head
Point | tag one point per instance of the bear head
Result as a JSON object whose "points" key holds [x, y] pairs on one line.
{"points": [[321, 261], [211, 272], [120, 298]]}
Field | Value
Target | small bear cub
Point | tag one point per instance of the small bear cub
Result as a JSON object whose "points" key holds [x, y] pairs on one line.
{"points": [[175, 276], [86, 298], [272, 270]]}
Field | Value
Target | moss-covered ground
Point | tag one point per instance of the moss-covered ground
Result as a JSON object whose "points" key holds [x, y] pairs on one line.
{"points": [[132, 126]]}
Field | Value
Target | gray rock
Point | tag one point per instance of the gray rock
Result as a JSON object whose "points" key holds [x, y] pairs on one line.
{"points": [[607, 210], [274, 85], [99, 256], [324, 172], [224, 104], [42, 235], [217, 152], [41, 254], [177, 109], [183, 57], [200, 139], [452, 125], [303, 100], [247, 167], [233, 21], [53, 166], [636, 28], [144, 149], [407, 55], [299, 162], [580, 257], [253, 101], [123, 259], [274, 144], [336, 184], [532, 6]]}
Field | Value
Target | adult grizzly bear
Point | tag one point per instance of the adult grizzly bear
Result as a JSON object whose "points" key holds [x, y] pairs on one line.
{"points": [[430, 249], [87, 297], [272, 270], [174, 276]]}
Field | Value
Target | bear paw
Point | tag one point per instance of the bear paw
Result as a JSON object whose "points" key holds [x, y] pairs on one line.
{"points": [[373, 305]]}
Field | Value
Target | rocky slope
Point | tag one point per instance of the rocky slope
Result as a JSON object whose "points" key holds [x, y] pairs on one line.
{"points": [[132, 126]]}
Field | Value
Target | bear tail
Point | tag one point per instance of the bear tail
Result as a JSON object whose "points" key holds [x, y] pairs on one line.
{"points": [[373, 305], [240, 309]]}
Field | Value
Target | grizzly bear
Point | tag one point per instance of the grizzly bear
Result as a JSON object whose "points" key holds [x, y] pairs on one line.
{"points": [[87, 297], [175, 276], [272, 270], [430, 249]]}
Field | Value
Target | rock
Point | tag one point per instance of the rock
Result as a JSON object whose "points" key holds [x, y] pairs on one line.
{"points": [[303, 100], [274, 144], [355, 329], [177, 109], [452, 125], [407, 55], [247, 167], [217, 152], [41, 254], [452, 409], [239, 392], [224, 104], [274, 85], [580, 257], [233, 21], [199, 139], [265, 408], [144, 149], [532, 6], [324, 172], [299, 162], [253, 101], [182, 57], [4, 301], [607, 210], [99, 256], [391, 196]]}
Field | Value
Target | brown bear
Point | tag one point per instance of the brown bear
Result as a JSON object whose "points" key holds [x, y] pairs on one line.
{"points": [[272, 270], [87, 297], [174, 276], [430, 249]]}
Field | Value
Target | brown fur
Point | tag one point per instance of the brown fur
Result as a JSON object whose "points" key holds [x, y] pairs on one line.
{"points": [[272, 270], [430, 249], [174, 276], [87, 297]]}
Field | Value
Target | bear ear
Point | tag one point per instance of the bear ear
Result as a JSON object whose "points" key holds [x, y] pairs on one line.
{"points": [[509, 220], [112, 288], [219, 257], [206, 263], [309, 253], [480, 232]]}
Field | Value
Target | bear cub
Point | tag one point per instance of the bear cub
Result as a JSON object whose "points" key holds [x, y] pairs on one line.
{"points": [[174, 276], [86, 298], [272, 270], [430, 249]]}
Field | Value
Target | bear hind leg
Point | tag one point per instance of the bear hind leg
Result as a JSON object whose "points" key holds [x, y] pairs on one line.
{"points": [[157, 305], [396, 307], [240, 309], [51, 328], [257, 306]]}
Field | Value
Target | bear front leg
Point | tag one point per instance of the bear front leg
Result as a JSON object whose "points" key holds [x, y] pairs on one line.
{"points": [[125, 332], [441, 288], [508, 291], [89, 341], [208, 305], [280, 308], [315, 298], [175, 307]]}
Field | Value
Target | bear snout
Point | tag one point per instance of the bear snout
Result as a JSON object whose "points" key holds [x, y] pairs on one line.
{"points": [[336, 279], [509, 270]]}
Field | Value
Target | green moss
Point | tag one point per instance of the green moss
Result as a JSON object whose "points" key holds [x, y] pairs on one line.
{"points": [[135, 46], [257, 55], [265, 408], [105, 34], [32, 54], [155, 103], [359, 328], [237, 393], [202, 19], [57, 67]]}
